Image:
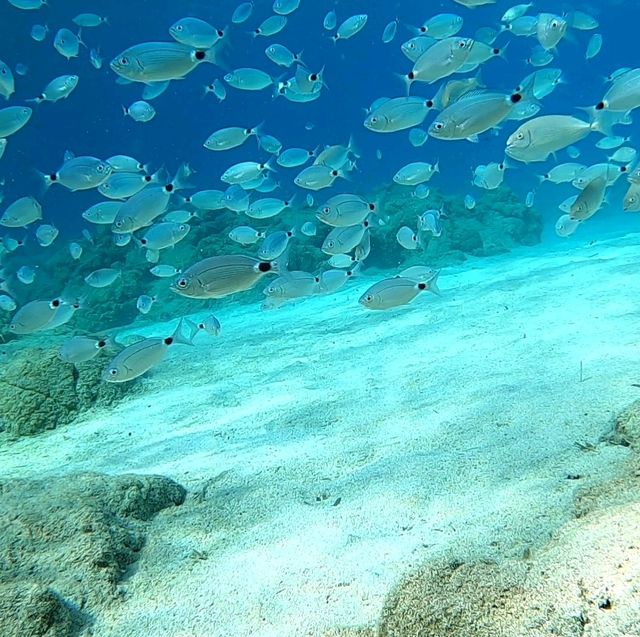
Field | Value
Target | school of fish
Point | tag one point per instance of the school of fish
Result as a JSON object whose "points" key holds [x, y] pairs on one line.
{"points": [[153, 211]]}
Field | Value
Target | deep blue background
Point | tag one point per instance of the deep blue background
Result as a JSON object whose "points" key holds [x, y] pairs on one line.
{"points": [[357, 72]]}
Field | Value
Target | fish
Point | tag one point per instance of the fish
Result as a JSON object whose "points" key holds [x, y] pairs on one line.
{"points": [[57, 89], [395, 292], [89, 20], [195, 33], [210, 325], [159, 61], [271, 26], [590, 200], [343, 240], [80, 173], [164, 235], [248, 79], [416, 173], [408, 239], [274, 244], [140, 111], [102, 277], [67, 43], [350, 27], [136, 359], [80, 349], [13, 118], [220, 276], [21, 213], [230, 137], [346, 210], [537, 138], [144, 303], [7, 81]]}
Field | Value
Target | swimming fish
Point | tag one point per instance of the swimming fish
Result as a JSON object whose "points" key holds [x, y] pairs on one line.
{"points": [[140, 357], [222, 275]]}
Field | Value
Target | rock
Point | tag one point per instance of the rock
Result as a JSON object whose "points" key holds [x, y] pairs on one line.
{"points": [[34, 611], [38, 391], [68, 542]]}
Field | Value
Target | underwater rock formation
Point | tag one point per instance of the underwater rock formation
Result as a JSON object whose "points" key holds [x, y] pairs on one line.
{"points": [[38, 391], [498, 223], [66, 542]]}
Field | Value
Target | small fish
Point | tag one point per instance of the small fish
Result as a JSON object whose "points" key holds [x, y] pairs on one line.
{"points": [[67, 43], [248, 79], [164, 271], [282, 56], [469, 202], [144, 303], [7, 304], [343, 240], [34, 316], [294, 157], [102, 278], [164, 235], [594, 46], [330, 21], [389, 33], [245, 235], [140, 111], [308, 229], [80, 173], [89, 20], [39, 32], [416, 173], [218, 89], [7, 82], [95, 58], [13, 118], [26, 275], [80, 349], [136, 359], [58, 89], [271, 26], [104, 212], [210, 325], [75, 250], [275, 244], [350, 27], [46, 234], [21, 213], [196, 33], [242, 12], [566, 225], [408, 239]]}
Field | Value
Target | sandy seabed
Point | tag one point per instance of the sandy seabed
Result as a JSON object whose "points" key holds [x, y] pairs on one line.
{"points": [[327, 449]]}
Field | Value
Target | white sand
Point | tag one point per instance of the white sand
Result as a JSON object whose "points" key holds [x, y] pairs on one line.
{"points": [[445, 427]]}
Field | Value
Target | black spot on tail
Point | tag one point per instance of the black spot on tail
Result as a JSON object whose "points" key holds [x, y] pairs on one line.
{"points": [[102, 343], [53, 177], [372, 206], [168, 341], [429, 103], [200, 55], [600, 106], [265, 266], [169, 188], [515, 98], [422, 286], [411, 75]]}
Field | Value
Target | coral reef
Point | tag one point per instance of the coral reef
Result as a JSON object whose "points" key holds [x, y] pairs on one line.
{"points": [[38, 391], [65, 543]]}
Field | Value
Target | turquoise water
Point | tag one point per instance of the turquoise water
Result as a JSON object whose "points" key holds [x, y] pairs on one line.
{"points": [[282, 339]]}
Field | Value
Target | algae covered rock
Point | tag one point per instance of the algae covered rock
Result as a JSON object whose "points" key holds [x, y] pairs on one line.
{"points": [[35, 611], [38, 391], [65, 544], [498, 223]]}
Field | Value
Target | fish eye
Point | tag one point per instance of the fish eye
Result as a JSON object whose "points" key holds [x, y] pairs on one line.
{"points": [[118, 224], [124, 61], [99, 168], [113, 371], [326, 210], [555, 24], [462, 44], [520, 135], [179, 28], [438, 125], [331, 244], [368, 298], [181, 283]]}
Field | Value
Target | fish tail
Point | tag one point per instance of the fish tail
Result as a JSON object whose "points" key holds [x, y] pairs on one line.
{"points": [[432, 284], [178, 335]]}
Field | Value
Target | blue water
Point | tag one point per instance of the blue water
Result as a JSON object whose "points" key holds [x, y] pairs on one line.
{"points": [[357, 72]]}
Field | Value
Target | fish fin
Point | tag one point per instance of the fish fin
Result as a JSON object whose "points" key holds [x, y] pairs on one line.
{"points": [[473, 138], [179, 337], [210, 56], [432, 284]]}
